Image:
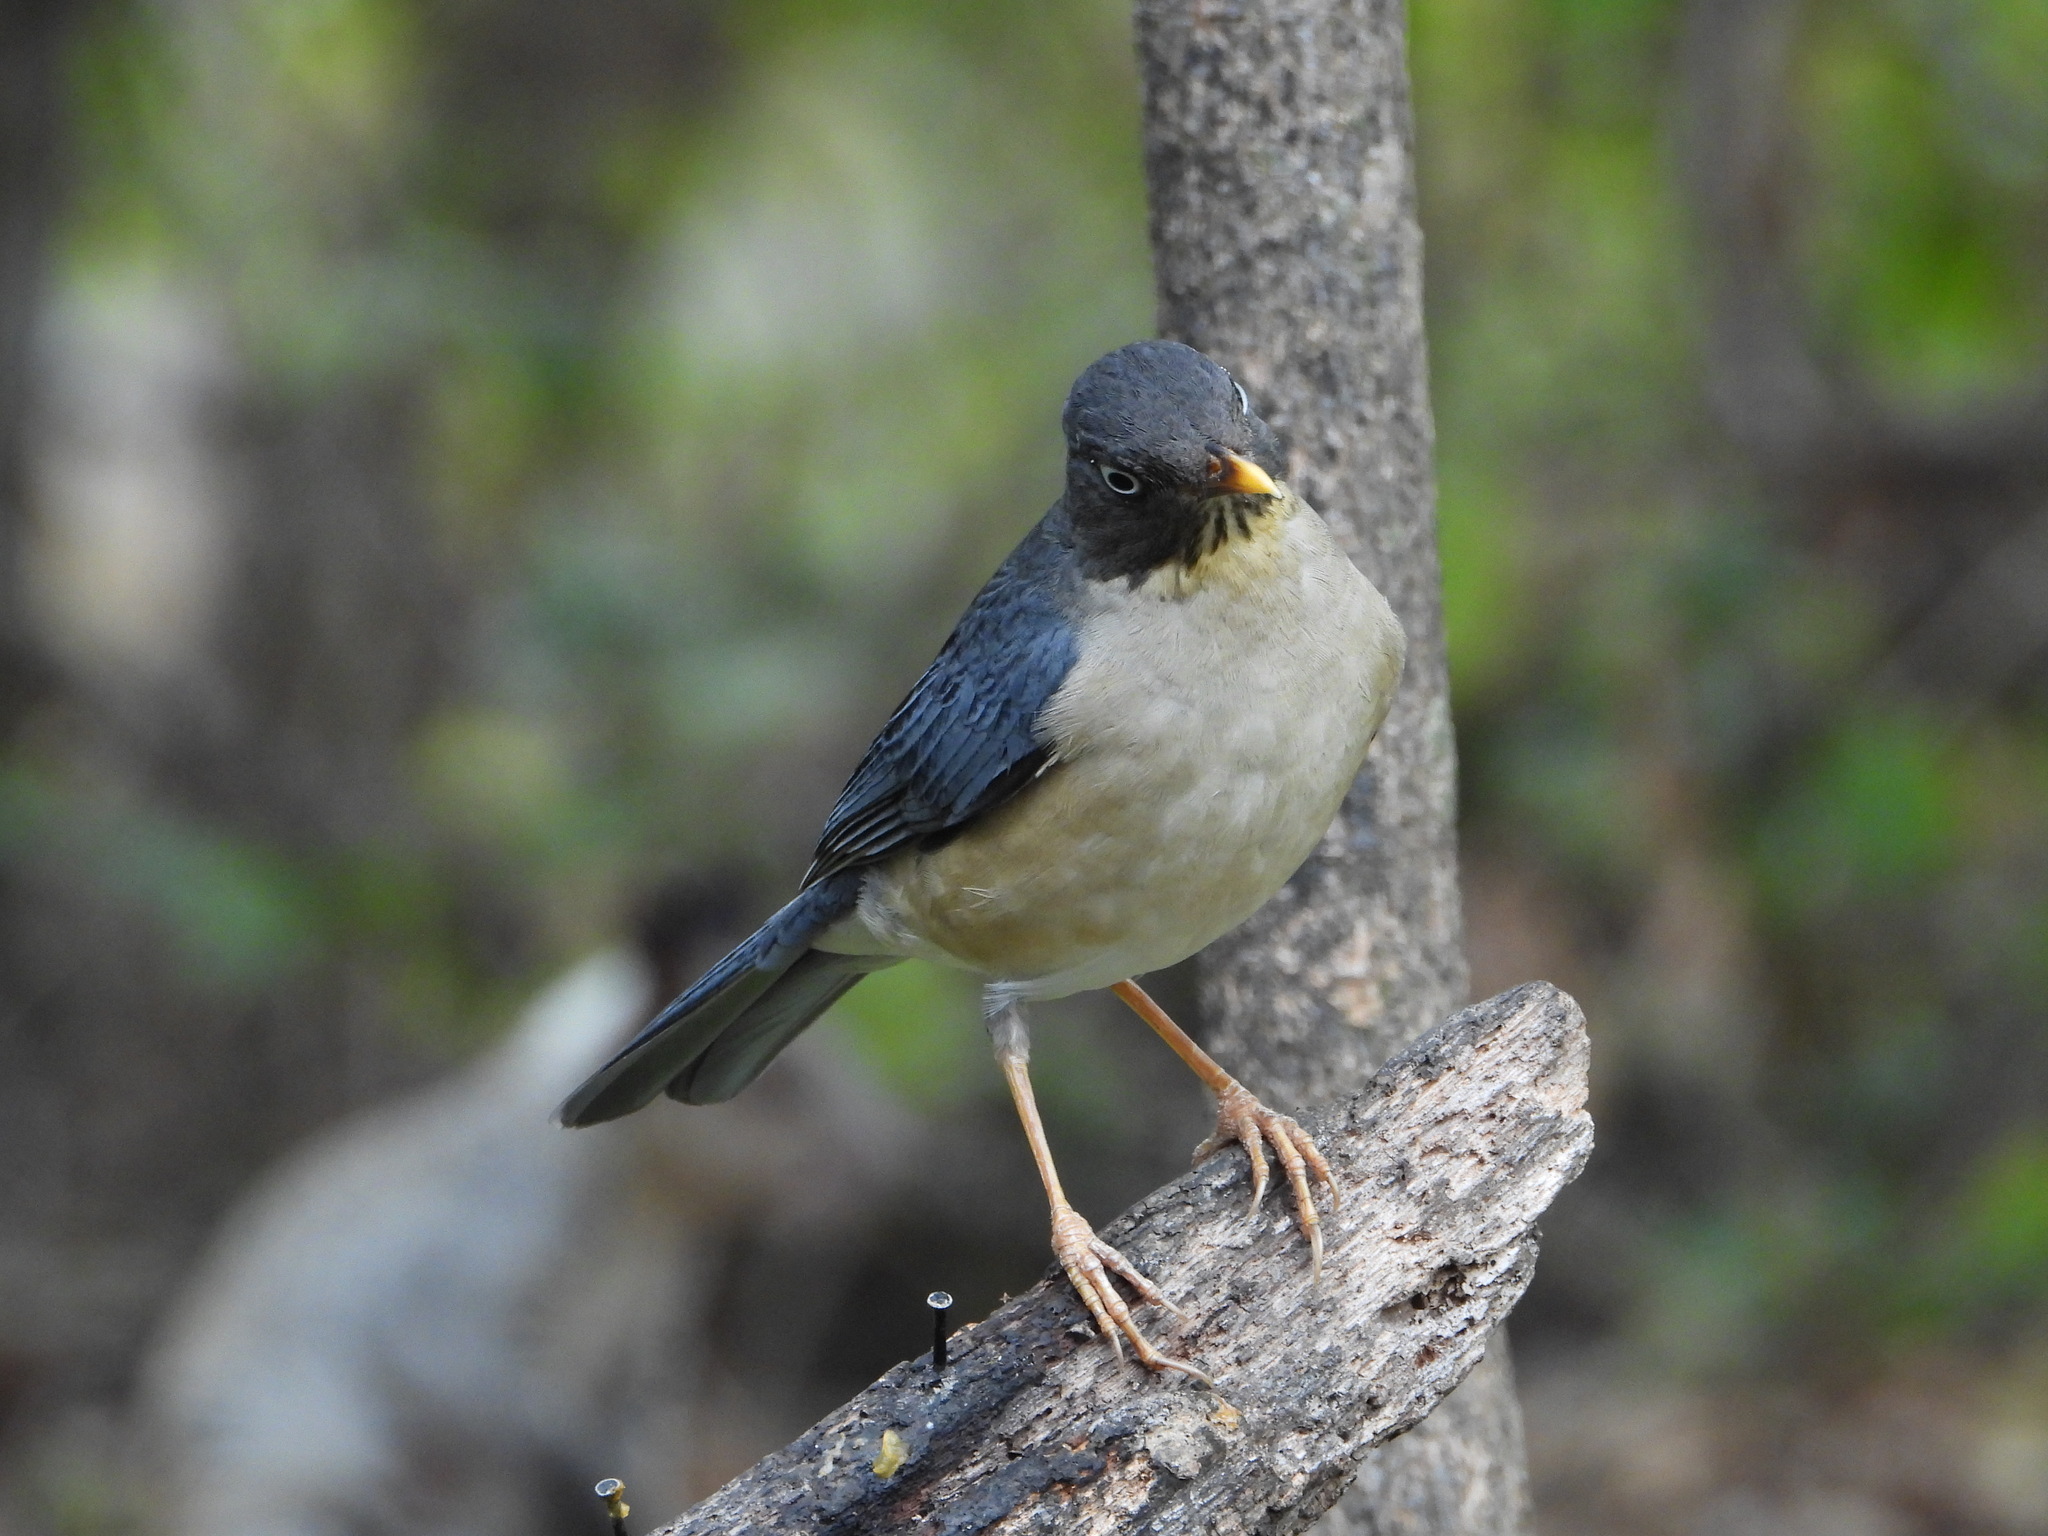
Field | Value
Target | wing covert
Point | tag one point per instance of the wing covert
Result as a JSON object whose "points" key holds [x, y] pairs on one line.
{"points": [[963, 741]]}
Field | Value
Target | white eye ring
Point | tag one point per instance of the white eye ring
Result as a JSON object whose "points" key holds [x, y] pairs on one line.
{"points": [[1244, 401], [1122, 481]]}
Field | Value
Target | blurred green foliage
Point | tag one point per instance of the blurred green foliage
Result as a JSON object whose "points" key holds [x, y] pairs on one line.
{"points": [[721, 462]]}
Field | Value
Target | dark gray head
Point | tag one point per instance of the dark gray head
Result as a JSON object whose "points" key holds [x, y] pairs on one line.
{"points": [[1165, 460]]}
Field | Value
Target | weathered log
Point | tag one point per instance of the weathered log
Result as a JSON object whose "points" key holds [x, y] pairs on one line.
{"points": [[1445, 1162]]}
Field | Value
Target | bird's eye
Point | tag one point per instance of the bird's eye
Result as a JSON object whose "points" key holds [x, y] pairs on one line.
{"points": [[1122, 481], [1244, 401]]}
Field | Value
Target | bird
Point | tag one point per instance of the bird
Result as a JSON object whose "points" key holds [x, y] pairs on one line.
{"points": [[1139, 729]]}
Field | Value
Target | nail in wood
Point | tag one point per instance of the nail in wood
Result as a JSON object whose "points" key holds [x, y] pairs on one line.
{"points": [[940, 1302]]}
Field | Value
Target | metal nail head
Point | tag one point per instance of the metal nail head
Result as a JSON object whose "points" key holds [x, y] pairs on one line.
{"points": [[941, 1302], [613, 1492]]}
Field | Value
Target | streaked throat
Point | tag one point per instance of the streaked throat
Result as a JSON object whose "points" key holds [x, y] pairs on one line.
{"points": [[1230, 539]]}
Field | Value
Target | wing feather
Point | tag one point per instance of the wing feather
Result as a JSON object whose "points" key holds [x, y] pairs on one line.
{"points": [[966, 738]]}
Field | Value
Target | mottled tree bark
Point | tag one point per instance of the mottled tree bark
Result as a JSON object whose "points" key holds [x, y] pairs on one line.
{"points": [[1278, 150], [1446, 1160]]}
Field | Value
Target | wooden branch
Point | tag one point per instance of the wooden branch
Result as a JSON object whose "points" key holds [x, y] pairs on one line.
{"points": [[1446, 1160]]}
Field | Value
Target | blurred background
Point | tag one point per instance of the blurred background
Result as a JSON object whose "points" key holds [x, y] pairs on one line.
{"points": [[473, 473]]}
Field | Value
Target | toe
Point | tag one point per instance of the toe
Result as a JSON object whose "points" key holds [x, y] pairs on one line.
{"points": [[1243, 1119], [1321, 1165], [1284, 1133], [1135, 1277], [1159, 1362], [1091, 1297], [1089, 1263], [1254, 1145]]}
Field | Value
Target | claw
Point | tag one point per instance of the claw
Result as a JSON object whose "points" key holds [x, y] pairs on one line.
{"points": [[1242, 1119], [1089, 1261]]}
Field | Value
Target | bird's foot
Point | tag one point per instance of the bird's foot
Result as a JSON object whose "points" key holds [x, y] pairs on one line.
{"points": [[1088, 1261], [1243, 1119]]}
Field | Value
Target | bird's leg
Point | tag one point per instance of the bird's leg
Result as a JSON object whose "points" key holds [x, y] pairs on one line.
{"points": [[1086, 1258], [1240, 1117]]}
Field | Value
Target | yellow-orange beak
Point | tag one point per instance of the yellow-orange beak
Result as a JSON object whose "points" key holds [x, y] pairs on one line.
{"points": [[1240, 477]]}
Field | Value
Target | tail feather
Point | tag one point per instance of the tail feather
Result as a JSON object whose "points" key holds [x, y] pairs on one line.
{"points": [[775, 971], [773, 1019]]}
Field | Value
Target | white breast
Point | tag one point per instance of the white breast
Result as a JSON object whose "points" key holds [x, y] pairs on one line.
{"points": [[1204, 739]]}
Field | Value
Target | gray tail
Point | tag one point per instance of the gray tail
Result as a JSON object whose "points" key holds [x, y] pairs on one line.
{"points": [[717, 1037]]}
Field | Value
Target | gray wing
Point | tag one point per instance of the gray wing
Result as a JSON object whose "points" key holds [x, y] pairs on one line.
{"points": [[963, 741]]}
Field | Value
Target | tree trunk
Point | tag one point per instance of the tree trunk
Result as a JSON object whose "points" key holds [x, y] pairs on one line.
{"points": [[1278, 151]]}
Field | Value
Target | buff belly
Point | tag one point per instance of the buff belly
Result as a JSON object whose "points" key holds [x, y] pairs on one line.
{"points": [[1203, 742]]}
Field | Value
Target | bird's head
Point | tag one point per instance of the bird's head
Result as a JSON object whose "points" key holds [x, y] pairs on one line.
{"points": [[1165, 460]]}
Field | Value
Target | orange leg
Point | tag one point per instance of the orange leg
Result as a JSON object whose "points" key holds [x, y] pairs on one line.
{"points": [[1086, 1258], [1241, 1118]]}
